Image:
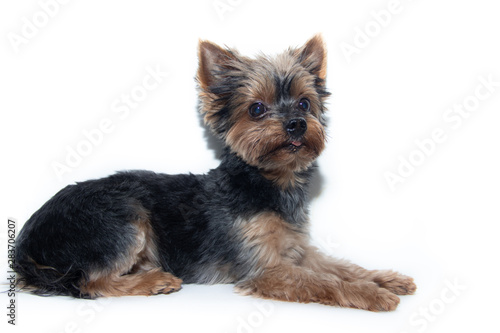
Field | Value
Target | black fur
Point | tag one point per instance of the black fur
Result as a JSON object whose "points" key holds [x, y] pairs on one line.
{"points": [[86, 226]]}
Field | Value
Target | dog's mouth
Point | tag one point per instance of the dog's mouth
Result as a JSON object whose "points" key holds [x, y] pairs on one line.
{"points": [[295, 146], [290, 146]]}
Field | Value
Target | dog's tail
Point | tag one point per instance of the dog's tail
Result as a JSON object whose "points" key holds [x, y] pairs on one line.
{"points": [[45, 280]]}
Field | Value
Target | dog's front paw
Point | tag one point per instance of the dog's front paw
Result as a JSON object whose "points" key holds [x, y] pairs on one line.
{"points": [[368, 296], [384, 301], [396, 283]]}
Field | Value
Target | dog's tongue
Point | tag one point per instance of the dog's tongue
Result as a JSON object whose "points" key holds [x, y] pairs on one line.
{"points": [[297, 143]]}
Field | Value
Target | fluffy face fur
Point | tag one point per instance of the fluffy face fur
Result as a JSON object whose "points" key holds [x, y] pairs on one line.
{"points": [[245, 222], [231, 84]]}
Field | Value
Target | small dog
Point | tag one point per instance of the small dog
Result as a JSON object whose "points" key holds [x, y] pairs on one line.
{"points": [[245, 222]]}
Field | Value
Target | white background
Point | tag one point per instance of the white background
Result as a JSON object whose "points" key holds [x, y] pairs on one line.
{"points": [[438, 226]]}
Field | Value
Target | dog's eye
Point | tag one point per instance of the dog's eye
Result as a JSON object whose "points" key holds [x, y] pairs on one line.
{"points": [[257, 110], [304, 104]]}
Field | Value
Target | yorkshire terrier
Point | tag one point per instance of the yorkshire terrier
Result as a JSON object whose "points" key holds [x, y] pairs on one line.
{"points": [[245, 222]]}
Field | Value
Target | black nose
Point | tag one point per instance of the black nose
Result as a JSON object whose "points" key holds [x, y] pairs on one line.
{"points": [[296, 127]]}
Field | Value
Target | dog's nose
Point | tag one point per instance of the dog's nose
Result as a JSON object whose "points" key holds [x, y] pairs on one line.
{"points": [[296, 127]]}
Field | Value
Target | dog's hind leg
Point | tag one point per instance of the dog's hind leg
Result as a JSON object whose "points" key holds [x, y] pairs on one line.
{"points": [[138, 272], [150, 282]]}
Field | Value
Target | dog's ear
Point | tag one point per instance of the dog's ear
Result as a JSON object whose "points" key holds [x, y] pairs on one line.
{"points": [[313, 56], [216, 74], [212, 61]]}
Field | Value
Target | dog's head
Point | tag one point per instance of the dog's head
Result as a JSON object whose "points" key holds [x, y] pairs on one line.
{"points": [[268, 110]]}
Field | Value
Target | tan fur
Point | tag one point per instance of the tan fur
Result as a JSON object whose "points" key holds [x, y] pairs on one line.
{"points": [[393, 281], [272, 241], [316, 54], [287, 268], [145, 283], [138, 272], [262, 142], [267, 150]]}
